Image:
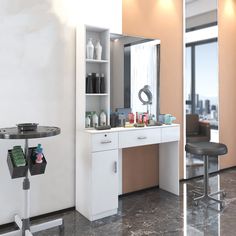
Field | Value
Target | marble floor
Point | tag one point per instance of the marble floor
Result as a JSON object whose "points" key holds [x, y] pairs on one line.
{"points": [[156, 212]]}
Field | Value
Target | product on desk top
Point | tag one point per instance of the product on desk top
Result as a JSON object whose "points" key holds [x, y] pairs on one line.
{"points": [[122, 120], [39, 154], [17, 156], [104, 127], [131, 117], [137, 125], [128, 125], [114, 119], [166, 119]]}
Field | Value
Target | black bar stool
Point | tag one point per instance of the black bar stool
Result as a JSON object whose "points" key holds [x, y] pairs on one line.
{"points": [[207, 149]]}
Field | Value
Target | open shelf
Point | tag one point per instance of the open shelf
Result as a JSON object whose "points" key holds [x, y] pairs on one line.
{"points": [[96, 61]]}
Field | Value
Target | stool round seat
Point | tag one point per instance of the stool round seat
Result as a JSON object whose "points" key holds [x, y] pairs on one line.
{"points": [[206, 148]]}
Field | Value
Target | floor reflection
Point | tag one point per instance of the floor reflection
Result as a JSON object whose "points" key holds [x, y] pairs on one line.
{"points": [[156, 212]]}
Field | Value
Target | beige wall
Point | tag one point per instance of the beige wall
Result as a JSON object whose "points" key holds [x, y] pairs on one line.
{"points": [[162, 19], [227, 79]]}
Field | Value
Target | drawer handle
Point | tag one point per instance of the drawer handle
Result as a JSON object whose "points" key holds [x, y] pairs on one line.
{"points": [[142, 137], [115, 166], [105, 141]]}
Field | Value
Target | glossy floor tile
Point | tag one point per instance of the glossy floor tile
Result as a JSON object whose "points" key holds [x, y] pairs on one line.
{"points": [[156, 212]]}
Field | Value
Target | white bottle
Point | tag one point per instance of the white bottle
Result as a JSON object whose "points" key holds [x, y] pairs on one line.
{"points": [[98, 50], [87, 122], [95, 120], [103, 119], [90, 49]]}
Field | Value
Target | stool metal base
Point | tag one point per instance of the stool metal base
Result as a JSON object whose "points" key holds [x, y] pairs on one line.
{"points": [[205, 197], [35, 228]]}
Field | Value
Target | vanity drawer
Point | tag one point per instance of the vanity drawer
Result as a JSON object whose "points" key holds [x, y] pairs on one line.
{"points": [[104, 141], [170, 134], [133, 138]]}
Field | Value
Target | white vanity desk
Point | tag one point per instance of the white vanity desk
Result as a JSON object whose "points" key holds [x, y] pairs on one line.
{"points": [[98, 165]]}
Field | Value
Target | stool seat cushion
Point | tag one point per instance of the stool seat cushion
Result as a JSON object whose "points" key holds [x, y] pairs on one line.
{"points": [[206, 148]]}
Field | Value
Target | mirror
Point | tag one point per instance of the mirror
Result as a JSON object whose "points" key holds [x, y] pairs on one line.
{"points": [[135, 72]]}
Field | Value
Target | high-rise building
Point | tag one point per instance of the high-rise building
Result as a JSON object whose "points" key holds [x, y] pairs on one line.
{"points": [[207, 106]]}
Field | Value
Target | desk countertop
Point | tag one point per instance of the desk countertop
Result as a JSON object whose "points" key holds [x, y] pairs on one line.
{"points": [[121, 129]]}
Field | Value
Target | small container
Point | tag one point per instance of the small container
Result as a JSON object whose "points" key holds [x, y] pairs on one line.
{"points": [[102, 84], [87, 122], [90, 49], [36, 168], [103, 119], [114, 119], [94, 82], [98, 50], [89, 83], [16, 172], [131, 118], [97, 83], [95, 120]]}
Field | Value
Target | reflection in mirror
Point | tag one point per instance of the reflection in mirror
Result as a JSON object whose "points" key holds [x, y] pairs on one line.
{"points": [[201, 80], [135, 63]]}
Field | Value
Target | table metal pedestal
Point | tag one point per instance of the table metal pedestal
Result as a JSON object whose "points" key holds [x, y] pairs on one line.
{"points": [[25, 228]]}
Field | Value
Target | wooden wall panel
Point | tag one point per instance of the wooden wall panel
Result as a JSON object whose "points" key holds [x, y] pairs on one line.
{"points": [[140, 168], [227, 79]]}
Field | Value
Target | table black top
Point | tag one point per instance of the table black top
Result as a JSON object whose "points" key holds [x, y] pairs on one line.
{"points": [[40, 132]]}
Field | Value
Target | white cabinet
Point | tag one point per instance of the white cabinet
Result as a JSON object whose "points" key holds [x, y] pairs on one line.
{"points": [[170, 134], [104, 183], [92, 100], [104, 141], [139, 137], [97, 174]]}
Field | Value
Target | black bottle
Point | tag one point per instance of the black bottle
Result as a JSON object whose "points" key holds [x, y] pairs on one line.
{"points": [[97, 84], [102, 84], [89, 83], [94, 82]]}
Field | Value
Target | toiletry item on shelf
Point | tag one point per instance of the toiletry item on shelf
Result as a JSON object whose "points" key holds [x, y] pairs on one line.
{"points": [[97, 83], [39, 154], [94, 82], [103, 118], [102, 84], [90, 49], [98, 51], [89, 83], [87, 122], [17, 156], [95, 119]]}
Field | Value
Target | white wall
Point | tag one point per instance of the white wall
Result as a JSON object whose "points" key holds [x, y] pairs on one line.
{"points": [[37, 81], [103, 13]]}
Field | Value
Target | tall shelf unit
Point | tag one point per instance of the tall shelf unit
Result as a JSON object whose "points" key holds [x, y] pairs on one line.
{"points": [[91, 102]]}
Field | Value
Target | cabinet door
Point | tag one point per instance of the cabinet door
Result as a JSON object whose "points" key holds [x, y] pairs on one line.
{"points": [[104, 181]]}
